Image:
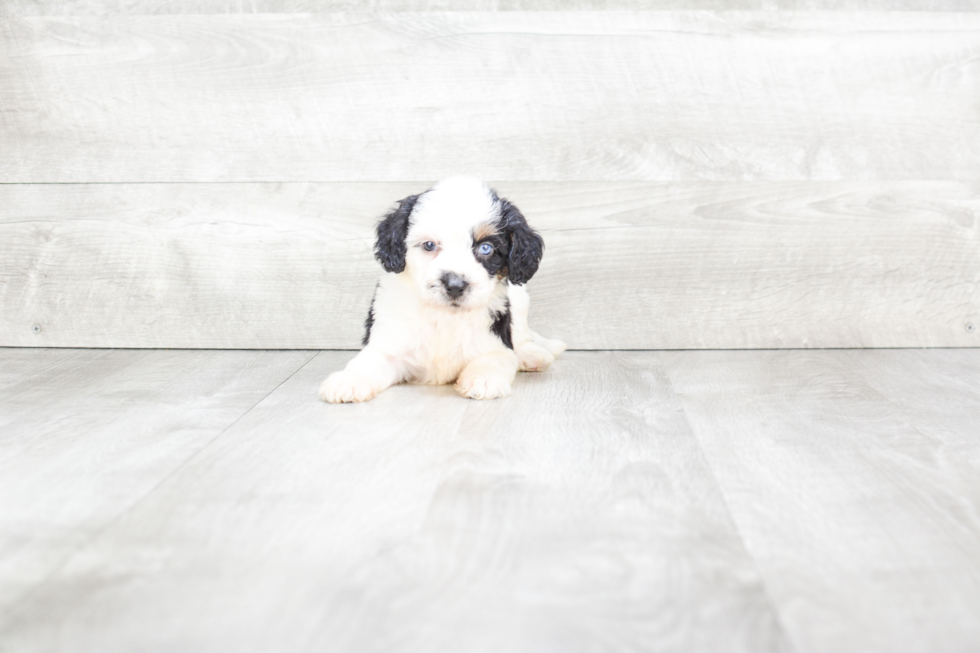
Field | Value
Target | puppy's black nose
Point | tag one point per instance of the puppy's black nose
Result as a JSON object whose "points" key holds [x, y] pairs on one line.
{"points": [[455, 285]]}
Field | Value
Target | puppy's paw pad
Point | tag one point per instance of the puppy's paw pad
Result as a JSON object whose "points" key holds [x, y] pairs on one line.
{"points": [[534, 359], [343, 388], [483, 387]]}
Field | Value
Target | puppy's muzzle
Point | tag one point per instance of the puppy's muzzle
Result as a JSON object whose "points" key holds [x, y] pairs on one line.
{"points": [[454, 284]]}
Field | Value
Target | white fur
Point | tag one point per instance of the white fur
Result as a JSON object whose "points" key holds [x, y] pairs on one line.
{"points": [[420, 334]]}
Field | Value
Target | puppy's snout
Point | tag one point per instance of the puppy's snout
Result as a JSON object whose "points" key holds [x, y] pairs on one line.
{"points": [[454, 284]]}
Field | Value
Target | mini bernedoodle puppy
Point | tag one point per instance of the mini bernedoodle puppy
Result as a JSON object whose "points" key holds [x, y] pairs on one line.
{"points": [[450, 306]]}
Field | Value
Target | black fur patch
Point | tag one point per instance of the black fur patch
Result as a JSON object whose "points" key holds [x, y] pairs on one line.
{"points": [[390, 248], [526, 246], [496, 261], [517, 248], [502, 324], [369, 322]]}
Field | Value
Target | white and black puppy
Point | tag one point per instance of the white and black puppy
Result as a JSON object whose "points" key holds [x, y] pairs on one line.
{"points": [[450, 306]]}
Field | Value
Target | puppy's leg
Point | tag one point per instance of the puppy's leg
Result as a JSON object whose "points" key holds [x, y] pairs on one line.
{"points": [[555, 347], [488, 376], [534, 353], [367, 374]]}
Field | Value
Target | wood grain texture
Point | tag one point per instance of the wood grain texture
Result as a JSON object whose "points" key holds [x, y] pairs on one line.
{"points": [[520, 95], [853, 478], [86, 435], [158, 7], [425, 522], [628, 265], [650, 501]]}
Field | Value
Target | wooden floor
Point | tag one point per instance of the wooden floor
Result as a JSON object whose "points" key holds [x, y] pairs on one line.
{"points": [[192, 501]]}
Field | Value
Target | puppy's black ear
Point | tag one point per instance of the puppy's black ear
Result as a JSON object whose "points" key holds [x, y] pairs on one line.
{"points": [[526, 246], [392, 230]]}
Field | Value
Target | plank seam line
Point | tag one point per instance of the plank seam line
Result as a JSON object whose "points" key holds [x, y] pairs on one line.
{"points": [[18, 606], [963, 348], [776, 614], [566, 180]]}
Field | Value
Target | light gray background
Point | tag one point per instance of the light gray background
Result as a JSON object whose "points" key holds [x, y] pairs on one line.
{"points": [[207, 174]]}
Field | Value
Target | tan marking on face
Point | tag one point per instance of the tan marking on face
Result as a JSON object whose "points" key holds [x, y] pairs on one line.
{"points": [[484, 230]]}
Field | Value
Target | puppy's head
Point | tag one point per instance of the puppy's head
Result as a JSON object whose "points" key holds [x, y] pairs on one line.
{"points": [[458, 241]]}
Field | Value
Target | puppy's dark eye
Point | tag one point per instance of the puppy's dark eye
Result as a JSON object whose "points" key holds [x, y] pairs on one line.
{"points": [[428, 245], [486, 249]]}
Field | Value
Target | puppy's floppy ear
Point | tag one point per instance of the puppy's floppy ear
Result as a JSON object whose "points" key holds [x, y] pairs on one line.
{"points": [[526, 246], [392, 230]]}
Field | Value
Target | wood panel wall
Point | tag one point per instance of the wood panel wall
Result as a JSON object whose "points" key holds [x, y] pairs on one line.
{"points": [[207, 174]]}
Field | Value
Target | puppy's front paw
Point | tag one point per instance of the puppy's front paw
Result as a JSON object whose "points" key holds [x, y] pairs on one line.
{"points": [[344, 388], [483, 387]]}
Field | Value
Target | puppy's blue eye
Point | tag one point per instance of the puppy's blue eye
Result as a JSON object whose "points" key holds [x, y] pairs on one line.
{"points": [[428, 245], [485, 249]]}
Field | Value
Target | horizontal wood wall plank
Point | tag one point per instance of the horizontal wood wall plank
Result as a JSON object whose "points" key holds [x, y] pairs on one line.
{"points": [[158, 7], [628, 265], [558, 95]]}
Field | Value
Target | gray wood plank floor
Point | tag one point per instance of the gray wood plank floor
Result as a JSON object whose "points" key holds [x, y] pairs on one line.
{"points": [[85, 435], [622, 501]]}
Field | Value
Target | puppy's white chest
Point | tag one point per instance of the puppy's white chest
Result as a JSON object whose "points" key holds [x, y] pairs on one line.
{"points": [[448, 342]]}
